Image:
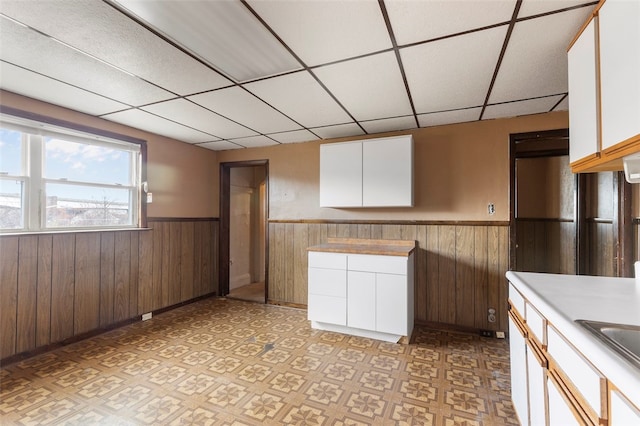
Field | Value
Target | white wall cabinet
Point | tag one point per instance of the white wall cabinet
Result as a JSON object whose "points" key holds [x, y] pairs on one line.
{"points": [[369, 173], [583, 102], [366, 295], [619, 22], [604, 88]]}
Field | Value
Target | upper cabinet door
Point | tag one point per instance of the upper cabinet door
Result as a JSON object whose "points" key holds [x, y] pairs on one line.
{"points": [[583, 96], [387, 172], [619, 22], [341, 174]]}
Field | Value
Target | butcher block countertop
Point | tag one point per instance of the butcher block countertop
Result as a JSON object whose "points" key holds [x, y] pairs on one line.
{"points": [[366, 246]]}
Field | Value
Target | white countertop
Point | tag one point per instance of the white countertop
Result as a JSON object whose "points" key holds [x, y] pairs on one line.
{"points": [[562, 299]]}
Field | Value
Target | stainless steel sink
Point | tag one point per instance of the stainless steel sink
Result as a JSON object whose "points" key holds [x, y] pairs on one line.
{"points": [[623, 338]]}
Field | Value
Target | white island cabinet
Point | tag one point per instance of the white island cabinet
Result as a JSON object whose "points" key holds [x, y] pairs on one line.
{"points": [[561, 374], [362, 287]]}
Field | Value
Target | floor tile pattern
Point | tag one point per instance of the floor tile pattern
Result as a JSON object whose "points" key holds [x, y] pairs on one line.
{"points": [[228, 362]]}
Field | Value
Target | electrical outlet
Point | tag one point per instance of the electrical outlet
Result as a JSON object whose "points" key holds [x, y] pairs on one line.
{"points": [[147, 316], [486, 333], [491, 208], [149, 197], [491, 317], [500, 334]]}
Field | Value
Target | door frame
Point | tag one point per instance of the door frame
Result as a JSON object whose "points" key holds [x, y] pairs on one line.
{"points": [[225, 223]]}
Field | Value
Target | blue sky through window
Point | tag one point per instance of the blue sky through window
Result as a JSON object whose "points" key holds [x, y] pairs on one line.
{"points": [[10, 152]]}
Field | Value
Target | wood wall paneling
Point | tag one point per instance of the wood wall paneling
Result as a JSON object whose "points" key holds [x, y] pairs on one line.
{"points": [[43, 305], [27, 293], [87, 283], [175, 266], [107, 277], [62, 286], [8, 294], [56, 286], [122, 277], [186, 261], [145, 273], [459, 268]]}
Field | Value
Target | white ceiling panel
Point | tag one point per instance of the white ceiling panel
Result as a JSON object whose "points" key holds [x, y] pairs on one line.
{"points": [[158, 125], [240, 105], [27, 83], [98, 29], [339, 131], [449, 117], [321, 31], [65, 64], [535, 63], [389, 124], [353, 81], [563, 106], [223, 33], [299, 96], [452, 73], [526, 107], [192, 115], [294, 137], [254, 141], [415, 21], [535, 7], [220, 146]]}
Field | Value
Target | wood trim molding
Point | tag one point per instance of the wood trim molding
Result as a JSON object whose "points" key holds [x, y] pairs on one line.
{"points": [[544, 219], [392, 222], [183, 219]]}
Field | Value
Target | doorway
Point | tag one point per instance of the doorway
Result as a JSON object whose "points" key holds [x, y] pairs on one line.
{"points": [[243, 230], [543, 228]]}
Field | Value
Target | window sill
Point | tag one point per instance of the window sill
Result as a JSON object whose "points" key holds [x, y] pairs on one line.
{"points": [[68, 231]]}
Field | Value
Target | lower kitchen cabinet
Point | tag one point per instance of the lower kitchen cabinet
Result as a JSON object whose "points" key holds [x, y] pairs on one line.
{"points": [[553, 382], [368, 295], [622, 412]]}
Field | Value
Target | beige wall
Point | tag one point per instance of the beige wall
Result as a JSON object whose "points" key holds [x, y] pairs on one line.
{"points": [[184, 179], [459, 169]]}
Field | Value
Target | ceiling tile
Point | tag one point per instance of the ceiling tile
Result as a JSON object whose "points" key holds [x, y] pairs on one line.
{"points": [[414, 21], [563, 106], [352, 82], [339, 131], [220, 146], [535, 7], [389, 124], [243, 107], [525, 107], [534, 65], [223, 33], [254, 141], [294, 137], [449, 117], [321, 31], [299, 96], [192, 115], [452, 73], [158, 125], [100, 30], [36, 86], [31, 50]]}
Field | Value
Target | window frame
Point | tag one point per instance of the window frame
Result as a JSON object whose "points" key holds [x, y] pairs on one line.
{"points": [[34, 199]]}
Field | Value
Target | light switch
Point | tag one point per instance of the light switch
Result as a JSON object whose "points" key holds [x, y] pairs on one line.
{"points": [[149, 197]]}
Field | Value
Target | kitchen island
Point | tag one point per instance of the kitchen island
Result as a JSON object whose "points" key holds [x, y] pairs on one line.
{"points": [[561, 372]]}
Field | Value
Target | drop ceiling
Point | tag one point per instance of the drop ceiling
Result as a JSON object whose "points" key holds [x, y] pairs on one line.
{"points": [[233, 74]]}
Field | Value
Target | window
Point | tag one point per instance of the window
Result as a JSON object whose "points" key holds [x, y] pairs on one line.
{"points": [[54, 178]]}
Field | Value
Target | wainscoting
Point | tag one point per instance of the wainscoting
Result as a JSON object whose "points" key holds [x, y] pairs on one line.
{"points": [[57, 286], [546, 245], [460, 267]]}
